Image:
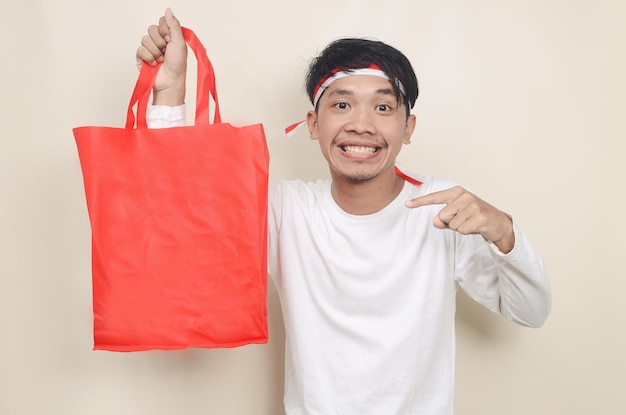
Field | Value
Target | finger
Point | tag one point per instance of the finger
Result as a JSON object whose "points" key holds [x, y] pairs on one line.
{"points": [[149, 51], [164, 30], [155, 40], [448, 214], [169, 27], [142, 57], [174, 30], [436, 198], [145, 55], [467, 220], [439, 224], [461, 222]]}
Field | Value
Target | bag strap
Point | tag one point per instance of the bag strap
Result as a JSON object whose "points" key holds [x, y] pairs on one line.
{"points": [[205, 87]]}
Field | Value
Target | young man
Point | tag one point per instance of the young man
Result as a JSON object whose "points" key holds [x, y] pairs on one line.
{"points": [[367, 284]]}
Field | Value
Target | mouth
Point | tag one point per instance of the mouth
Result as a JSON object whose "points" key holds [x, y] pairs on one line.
{"points": [[359, 150]]}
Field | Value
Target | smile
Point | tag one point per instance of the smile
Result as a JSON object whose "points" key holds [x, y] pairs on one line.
{"points": [[359, 149]]}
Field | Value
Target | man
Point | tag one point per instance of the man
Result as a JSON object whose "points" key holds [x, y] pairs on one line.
{"points": [[367, 284]]}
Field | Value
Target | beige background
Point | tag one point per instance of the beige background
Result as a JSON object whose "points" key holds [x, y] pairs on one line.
{"points": [[523, 101]]}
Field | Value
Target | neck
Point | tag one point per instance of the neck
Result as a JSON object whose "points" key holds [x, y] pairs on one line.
{"points": [[368, 196]]}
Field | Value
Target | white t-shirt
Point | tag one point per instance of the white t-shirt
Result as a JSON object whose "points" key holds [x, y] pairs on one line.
{"points": [[369, 301]]}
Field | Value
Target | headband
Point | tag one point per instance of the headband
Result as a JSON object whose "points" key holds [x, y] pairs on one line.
{"points": [[335, 74], [324, 83]]}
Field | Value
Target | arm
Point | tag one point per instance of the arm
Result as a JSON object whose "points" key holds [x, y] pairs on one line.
{"points": [[165, 43], [495, 263], [514, 285]]}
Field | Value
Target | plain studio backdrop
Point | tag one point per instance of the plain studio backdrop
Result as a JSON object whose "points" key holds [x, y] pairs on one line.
{"points": [[522, 101]]}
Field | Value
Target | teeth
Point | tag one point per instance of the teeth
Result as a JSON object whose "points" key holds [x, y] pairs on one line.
{"points": [[359, 150]]}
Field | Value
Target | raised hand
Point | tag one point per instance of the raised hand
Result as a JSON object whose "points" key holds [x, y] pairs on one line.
{"points": [[165, 43], [467, 214]]}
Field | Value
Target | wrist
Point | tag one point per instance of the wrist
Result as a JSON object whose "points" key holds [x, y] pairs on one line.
{"points": [[506, 243], [172, 96]]}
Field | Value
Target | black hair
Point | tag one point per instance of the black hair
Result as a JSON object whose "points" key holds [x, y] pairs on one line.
{"points": [[353, 53]]}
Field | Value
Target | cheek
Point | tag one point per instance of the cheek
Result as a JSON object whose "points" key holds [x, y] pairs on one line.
{"points": [[326, 144], [326, 132], [395, 134]]}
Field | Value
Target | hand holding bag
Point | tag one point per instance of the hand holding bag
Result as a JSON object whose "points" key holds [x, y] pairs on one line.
{"points": [[179, 226]]}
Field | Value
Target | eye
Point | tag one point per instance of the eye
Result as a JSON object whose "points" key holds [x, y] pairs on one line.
{"points": [[341, 105], [383, 107]]}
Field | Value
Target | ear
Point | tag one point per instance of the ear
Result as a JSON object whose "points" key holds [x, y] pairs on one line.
{"points": [[408, 129], [311, 122]]}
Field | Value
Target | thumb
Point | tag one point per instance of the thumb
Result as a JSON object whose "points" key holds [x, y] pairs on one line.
{"points": [[172, 23]]}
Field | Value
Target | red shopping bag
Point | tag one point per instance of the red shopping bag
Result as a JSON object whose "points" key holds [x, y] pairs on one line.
{"points": [[179, 226]]}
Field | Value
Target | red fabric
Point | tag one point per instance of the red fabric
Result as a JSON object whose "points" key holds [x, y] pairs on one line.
{"points": [[406, 177], [179, 227]]}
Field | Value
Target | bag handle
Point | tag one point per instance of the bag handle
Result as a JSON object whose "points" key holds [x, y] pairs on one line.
{"points": [[205, 87]]}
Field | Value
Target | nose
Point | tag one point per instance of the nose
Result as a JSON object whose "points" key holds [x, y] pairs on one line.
{"points": [[361, 121]]}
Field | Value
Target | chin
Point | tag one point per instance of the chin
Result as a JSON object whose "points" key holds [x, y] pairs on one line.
{"points": [[356, 176]]}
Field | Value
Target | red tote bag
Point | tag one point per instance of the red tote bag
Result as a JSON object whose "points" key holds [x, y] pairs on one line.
{"points": [[179, 226]]}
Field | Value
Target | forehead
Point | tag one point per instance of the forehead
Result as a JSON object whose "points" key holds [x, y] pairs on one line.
{"points": [[360, 84]]}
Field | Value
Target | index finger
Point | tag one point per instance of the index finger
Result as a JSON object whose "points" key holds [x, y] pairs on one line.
{"points": [[442, 197]]}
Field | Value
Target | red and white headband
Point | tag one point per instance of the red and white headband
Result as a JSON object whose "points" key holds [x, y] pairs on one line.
{"points": [[373, 70]]}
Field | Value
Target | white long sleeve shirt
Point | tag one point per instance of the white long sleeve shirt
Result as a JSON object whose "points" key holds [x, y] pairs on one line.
{"points": [[369, 301]]}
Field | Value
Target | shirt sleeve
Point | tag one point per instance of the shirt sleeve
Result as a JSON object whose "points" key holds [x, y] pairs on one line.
{"points": [[161, 116], [515, 285]]}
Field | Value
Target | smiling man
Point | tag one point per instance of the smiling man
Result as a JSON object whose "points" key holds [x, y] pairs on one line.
{"points": [[367, 264], [361, 125]]}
